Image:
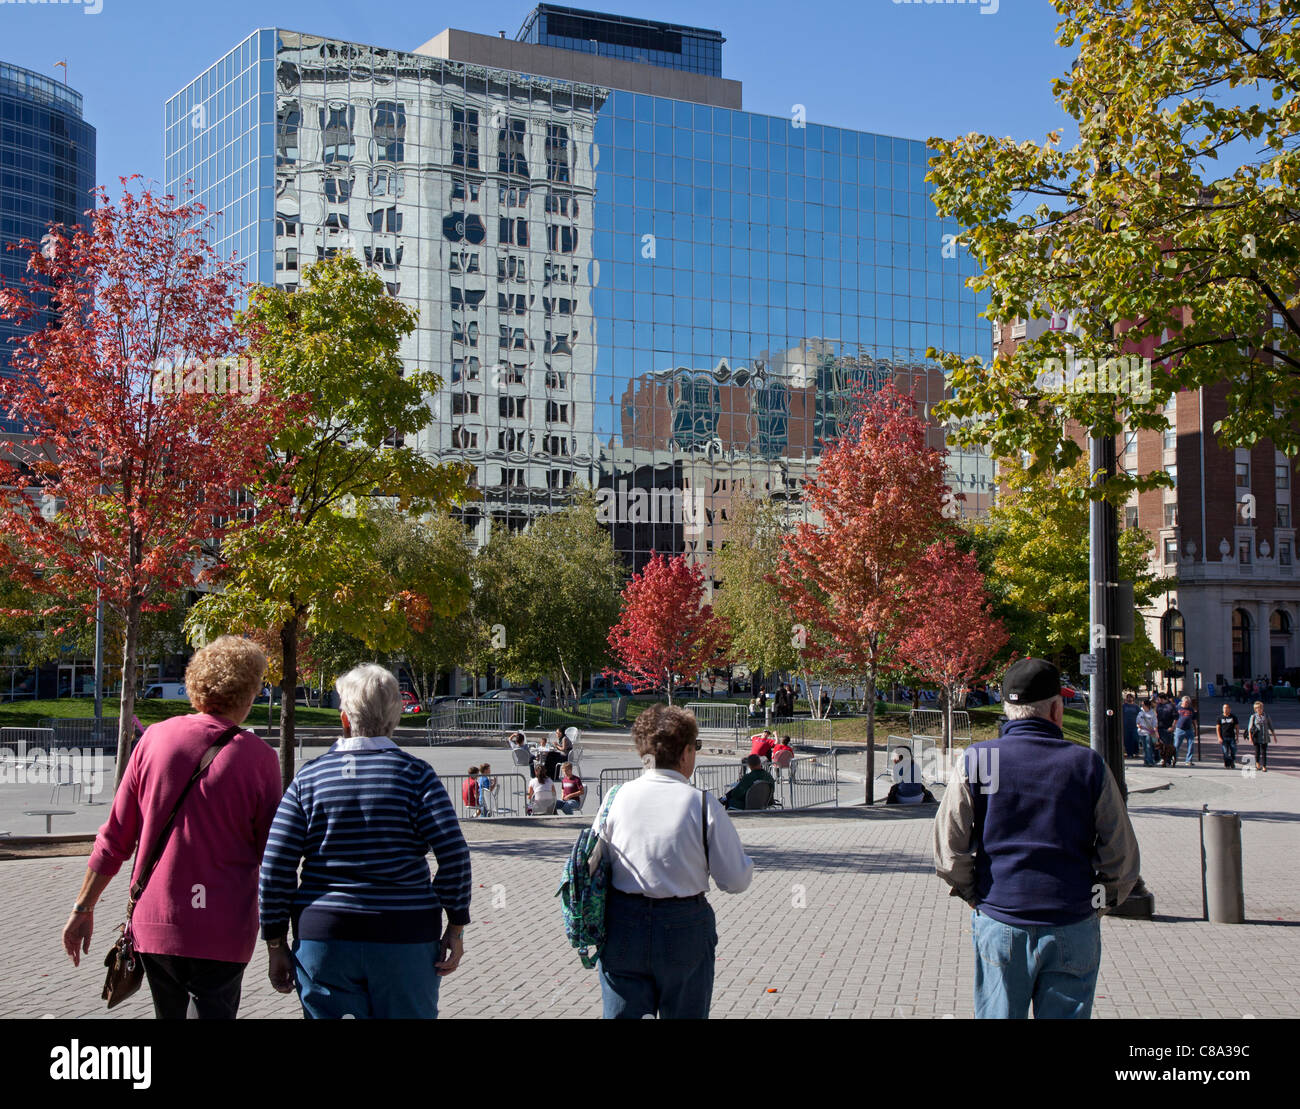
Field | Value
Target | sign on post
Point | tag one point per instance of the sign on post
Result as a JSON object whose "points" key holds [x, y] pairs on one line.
{"points": [[1087, 664]]}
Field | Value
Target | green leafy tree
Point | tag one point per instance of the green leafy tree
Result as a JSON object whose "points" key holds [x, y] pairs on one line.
{"points": [[1136, 235], [750, 601], [1033, 549], [312, 563]]}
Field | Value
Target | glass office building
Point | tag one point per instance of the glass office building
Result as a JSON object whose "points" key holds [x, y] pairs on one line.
{"points": [[692, 49], [47, 171], [666, 300]]}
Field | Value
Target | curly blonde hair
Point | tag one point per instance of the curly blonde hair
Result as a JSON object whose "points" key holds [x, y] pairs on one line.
{"points": [[225, 674]]}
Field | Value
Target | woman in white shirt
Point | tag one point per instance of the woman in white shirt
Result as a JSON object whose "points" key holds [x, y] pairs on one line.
{"points": [[541, 791], [661, 934]]}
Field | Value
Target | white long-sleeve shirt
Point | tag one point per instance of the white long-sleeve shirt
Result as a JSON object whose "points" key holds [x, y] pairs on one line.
{"points": [[656, 843]]}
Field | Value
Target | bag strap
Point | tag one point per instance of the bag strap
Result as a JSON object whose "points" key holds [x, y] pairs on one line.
{"points": [[704, 824], [599, 825], [137, 887]]}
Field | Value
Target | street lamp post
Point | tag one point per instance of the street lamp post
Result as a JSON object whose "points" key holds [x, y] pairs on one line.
{"points": [[1196, 707]]}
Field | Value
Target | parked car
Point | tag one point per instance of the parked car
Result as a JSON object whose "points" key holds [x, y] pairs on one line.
{"points": [[165, 691], [410, 702], [527, 696]]}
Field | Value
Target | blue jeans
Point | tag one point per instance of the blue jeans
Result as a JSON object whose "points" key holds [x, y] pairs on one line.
{"points": [[1148, 750], [658, 958], [1179, 738], [384, 981], [1054, 966]]}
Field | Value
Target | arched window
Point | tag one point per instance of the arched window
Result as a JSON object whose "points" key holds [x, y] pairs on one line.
{"points": [[1241, 636], [1280, 622]]}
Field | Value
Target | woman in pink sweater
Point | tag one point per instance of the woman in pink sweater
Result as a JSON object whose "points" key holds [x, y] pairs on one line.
{"points": [[195, 926]]}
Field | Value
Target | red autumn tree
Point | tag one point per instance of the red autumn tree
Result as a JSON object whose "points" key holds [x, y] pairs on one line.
{"points": [[665, 629], [953, 638], [849, 577], [136, 444]]}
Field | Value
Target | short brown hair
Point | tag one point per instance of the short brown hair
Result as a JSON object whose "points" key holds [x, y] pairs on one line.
{"points": [[662, 733], [224, 674]]}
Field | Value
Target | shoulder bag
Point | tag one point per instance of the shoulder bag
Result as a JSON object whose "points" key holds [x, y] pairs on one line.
{"points": [[125, 971]]}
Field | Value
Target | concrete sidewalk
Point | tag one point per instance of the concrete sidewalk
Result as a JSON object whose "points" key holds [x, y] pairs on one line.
{"points": [[844, 918]]}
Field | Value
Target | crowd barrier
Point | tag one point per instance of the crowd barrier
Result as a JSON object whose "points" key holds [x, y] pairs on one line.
{"points": [[469, 718], [22, 740], [928, 723], [804, 731], [577, 715], [81, 733], [720, 724], [810, 780]]}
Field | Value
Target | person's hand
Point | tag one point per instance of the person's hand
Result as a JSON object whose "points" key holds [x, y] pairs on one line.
{"points": [[280, 968], [452, 949], [76, 935]]}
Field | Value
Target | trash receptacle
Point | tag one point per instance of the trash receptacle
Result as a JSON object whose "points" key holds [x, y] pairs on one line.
{"points": [[1223, 898]]}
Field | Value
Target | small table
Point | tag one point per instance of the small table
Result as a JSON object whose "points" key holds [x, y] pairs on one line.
{"points": [[49, 814]]}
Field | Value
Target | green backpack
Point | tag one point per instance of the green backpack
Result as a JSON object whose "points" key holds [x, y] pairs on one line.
{"points": [[583, 889]]}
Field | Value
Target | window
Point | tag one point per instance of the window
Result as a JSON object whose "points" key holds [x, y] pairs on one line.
{"points": [[512, 267], [1171, 550], [464, 439], [388, 128], [516, 303], [558, 344], [336, 133], [1243, 475], [1284, 553], [286, 227], [386, 182], [1171, 514], [1284, 515], [556, 445], [561, 205], [559, 271], [460, 333], [1243, 552], [510, 440], [464, 138], [1173, 634], [561, 239], [384, 257], [1170, 439], [1172, 471], [463, 404], [512, 231], [512, 338], [560, 479], [556, 413], [555, 379], [338, 190], [1130, 516], [512, 408], [1283, 471], [510, 148], [337, 221], [512, 477], [386, 219], [461, 298], [290, 260], [557, 152], [463, 261], [1130, 442], [563, 306], [512, 196], [286, 135]]}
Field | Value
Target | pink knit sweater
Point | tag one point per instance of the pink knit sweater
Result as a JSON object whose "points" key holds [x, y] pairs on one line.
{"points": [[202, 898]]}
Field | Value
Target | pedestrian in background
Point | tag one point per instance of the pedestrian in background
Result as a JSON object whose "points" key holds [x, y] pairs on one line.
{"points": [[1260, 732], [1226, 729], [1033, 835], [666, 839], [1185, 729], [1149, 729]]}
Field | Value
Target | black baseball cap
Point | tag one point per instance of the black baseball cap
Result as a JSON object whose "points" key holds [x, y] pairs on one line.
{"points": [[1031, 679]]}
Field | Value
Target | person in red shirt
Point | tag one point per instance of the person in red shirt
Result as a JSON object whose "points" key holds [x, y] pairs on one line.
{"points": [[761, 744], [572, 789]]}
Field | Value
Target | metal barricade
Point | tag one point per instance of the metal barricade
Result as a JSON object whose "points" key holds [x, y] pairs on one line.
{"points": [[22, 740], [507, 799], [616, 776], [716, 778], [804, 731], [719, 723], [928, 723], [471, 718], [80, 732], [811, 780]]}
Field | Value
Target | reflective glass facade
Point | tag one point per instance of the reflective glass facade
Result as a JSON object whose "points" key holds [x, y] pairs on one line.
{"points": [[47, 171], [692, 49], [663, 301]]}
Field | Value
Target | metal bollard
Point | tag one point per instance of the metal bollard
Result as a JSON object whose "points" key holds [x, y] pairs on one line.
{"points": [[1223, 899]]}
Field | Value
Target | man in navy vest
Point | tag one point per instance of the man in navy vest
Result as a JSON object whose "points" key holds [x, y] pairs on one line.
{"points": [[1034, 836]]}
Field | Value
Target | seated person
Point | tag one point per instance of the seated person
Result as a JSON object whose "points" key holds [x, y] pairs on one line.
{"points": [[572, 791], [754, 772], [469, 792], [782, 753], [541, 792], [907, 788], [762, 744]]}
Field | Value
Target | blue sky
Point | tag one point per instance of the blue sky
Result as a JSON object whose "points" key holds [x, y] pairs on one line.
{"points": [[912, 70]]}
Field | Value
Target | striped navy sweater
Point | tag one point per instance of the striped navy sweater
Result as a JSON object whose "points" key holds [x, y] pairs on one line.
{"points": [[361, 819]]}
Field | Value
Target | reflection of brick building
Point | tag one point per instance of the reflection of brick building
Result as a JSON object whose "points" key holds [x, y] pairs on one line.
{"points": [[1224, 537]]}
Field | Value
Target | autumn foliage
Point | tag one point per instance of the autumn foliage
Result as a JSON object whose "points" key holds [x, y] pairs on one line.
{"points": [[665, 629]]}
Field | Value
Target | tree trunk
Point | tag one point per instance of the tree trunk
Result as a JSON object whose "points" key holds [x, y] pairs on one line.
{"points": [[126, 706], [289, 698], [871, 737], [947, 695]]}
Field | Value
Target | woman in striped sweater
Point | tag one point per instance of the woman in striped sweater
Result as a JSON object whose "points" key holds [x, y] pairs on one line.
{"points": [[367, 920]]}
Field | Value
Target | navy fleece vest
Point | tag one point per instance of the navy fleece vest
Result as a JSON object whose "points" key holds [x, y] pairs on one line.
{"points": [[1035, 794]]}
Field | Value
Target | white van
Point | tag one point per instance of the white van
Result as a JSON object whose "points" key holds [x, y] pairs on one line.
{"points": [[165, 691]]}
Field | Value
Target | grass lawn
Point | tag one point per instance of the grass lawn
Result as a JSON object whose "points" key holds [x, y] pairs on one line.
{"points": [[29, 714]]}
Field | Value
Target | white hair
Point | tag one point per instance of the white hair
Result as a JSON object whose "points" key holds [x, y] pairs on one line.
{"points": [[372, 700], [1030, 708]]}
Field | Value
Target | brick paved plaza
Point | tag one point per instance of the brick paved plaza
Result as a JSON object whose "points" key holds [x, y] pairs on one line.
{"points": [[844, 919]]}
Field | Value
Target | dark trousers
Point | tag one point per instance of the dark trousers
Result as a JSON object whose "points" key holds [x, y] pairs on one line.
{"points": [[658, 958], [174, 979], [1261, 755]]}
